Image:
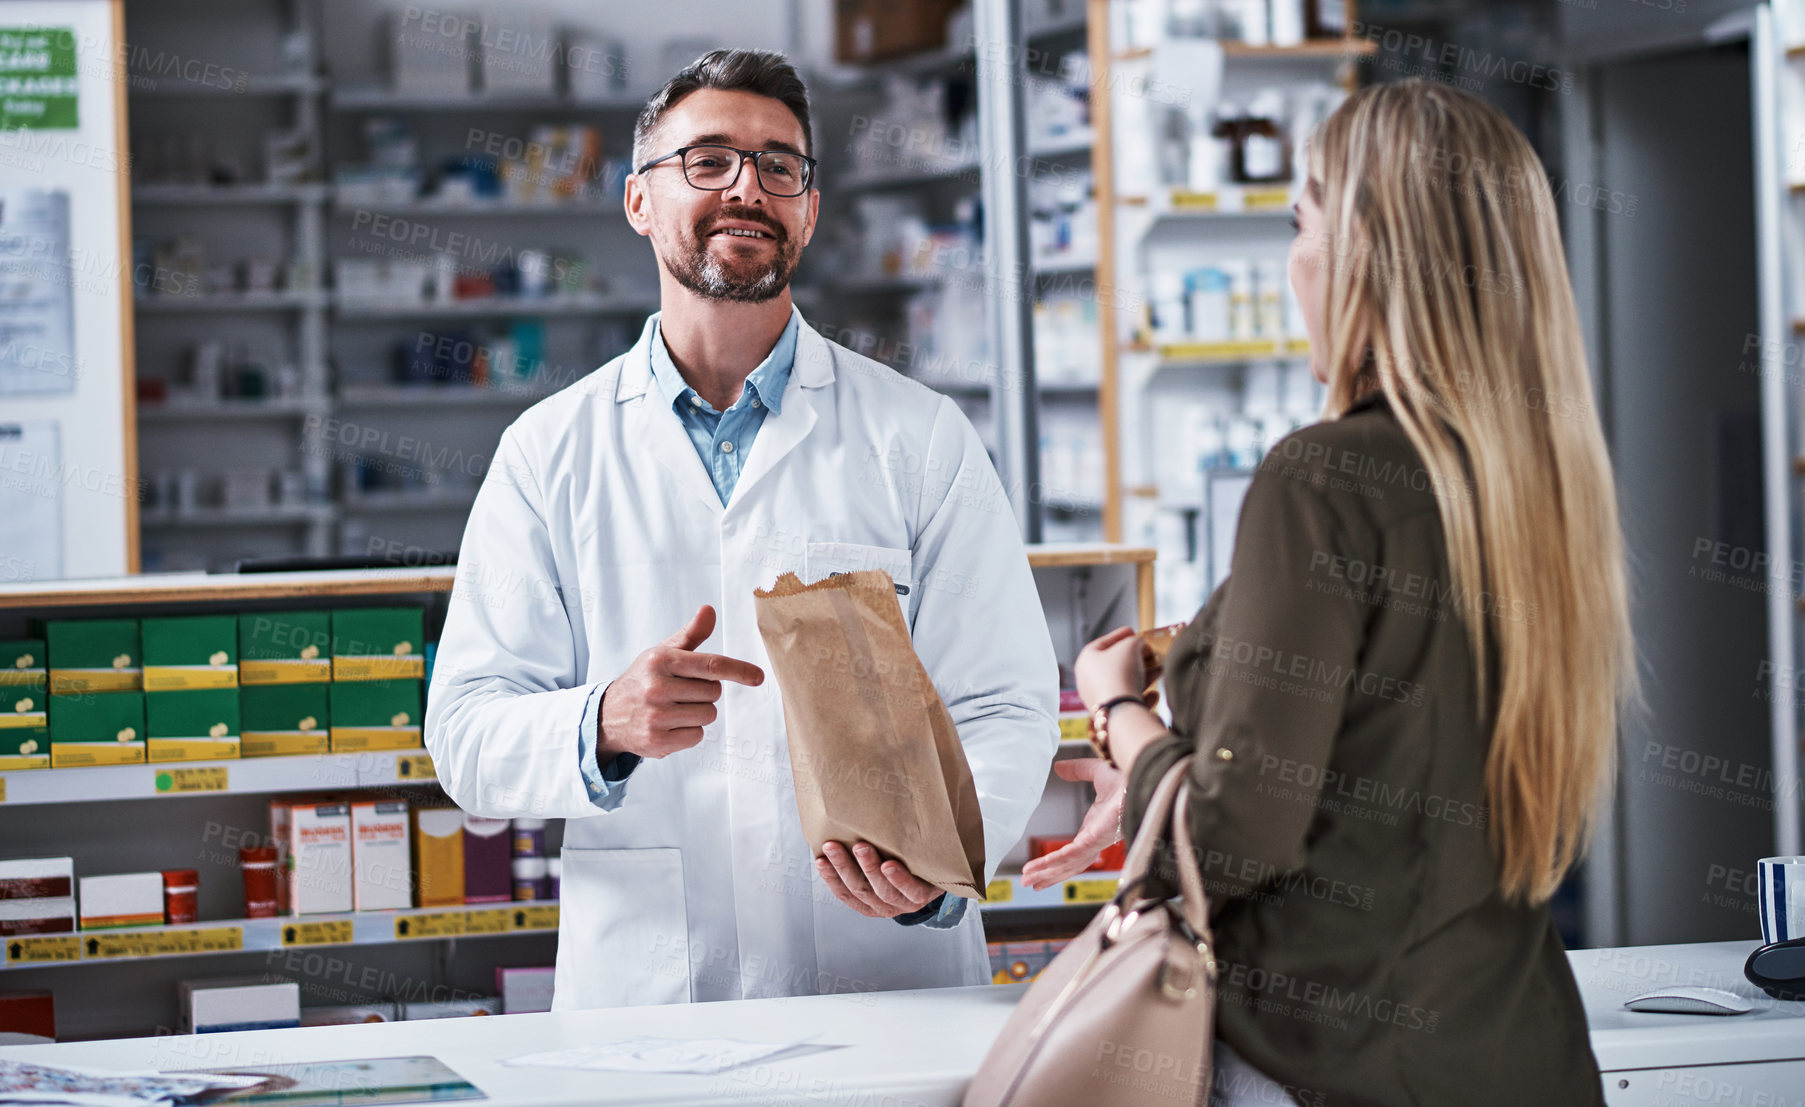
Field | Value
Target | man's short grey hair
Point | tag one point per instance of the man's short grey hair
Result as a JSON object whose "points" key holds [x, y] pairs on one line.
{"points": [[760, 72]]}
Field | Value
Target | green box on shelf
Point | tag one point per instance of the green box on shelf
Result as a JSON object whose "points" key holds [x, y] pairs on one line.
{"points": [[91, 655], [376, 714], [96, 728], [378, 643], [187, 652], [284, 647], [279, 720], [197, 724], [22, 664]]}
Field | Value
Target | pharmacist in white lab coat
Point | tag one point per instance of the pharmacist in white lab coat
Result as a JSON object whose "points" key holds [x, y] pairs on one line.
{"points": [[601, 661]]}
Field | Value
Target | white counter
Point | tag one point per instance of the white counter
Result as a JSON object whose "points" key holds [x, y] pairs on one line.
{"points": [[916, 1049]]}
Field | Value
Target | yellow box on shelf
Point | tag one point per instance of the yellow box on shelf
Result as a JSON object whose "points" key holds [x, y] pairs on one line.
{"points": [[92, 655], [22, 664], [1266, 199], [198, 724], [282, 720], [99, 728], [1075, 727], [1185, 200], [375, 715], [24, 728], [285, 647], [188, 652], [378, 643]]}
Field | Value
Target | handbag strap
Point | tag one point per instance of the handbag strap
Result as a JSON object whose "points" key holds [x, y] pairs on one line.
{"points": [[1168, 816]]}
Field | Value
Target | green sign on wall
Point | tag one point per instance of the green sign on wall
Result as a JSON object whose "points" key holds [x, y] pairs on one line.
{"points": [[37, 78]]}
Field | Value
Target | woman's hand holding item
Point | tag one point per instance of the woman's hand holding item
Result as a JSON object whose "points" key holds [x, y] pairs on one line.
{"points": [[1102, 826]]}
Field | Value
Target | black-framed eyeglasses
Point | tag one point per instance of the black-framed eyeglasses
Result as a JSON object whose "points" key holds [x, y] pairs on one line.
{"points": [[713, 168]]}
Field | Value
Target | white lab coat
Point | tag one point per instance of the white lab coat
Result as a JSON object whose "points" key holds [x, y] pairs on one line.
{"points": [[596, 534]]}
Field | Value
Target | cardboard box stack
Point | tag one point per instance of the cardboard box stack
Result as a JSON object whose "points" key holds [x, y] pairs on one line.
{"points": [[24, 721], [95, 677], [378, 678]]}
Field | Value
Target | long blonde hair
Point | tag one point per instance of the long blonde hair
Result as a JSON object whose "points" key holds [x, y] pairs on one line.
{"points": [[1445, 256]]}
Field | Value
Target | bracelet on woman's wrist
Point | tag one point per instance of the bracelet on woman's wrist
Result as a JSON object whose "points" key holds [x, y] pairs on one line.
{"points": [[1100, 726]]}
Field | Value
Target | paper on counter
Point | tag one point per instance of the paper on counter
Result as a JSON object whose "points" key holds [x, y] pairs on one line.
{"points": [[703, 1056], [23, 1082]]}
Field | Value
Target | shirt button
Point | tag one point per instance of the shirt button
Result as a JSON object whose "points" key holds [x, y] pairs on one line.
{"points": [[727, 447], [758, 403], [1223, 753], [695, 401]]}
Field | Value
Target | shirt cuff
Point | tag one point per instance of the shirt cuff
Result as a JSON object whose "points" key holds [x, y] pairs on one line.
{"points": [[607, 784], [943, 914]]}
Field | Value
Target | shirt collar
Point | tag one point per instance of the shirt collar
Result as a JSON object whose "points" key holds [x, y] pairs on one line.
{"points": [[766, 382]]}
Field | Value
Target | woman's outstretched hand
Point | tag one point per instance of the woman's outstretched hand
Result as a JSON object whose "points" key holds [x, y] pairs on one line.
{"points": [[1102, 824]]}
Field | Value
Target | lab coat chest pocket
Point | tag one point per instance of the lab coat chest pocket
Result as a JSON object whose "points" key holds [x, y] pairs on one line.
{"points": [[827, 558], [624, 929]]}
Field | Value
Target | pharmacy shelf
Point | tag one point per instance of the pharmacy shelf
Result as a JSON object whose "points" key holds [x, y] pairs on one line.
{"points": [[437, 499], [1078, 142], [871, 182], [230, 410], [299, 84], [303, 588], [414, 397], [348, 307], [431, 205], [885, 286], [1008, 893], [232, 302], [1229, 201], [226, 936], [1056, 266], [1309, 51], [181, 195], [250, 776], [274, 515], [387, 99], [1223, 353]]}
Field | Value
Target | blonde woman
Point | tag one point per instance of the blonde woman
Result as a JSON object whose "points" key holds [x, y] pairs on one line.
{"points": [[1403, 701]]}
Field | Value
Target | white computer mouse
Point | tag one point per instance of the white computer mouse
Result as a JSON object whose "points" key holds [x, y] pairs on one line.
{"points": [[1690, 1001]]}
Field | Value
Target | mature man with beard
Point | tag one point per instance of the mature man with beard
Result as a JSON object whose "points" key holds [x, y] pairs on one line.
{"points": [[732, 444]]}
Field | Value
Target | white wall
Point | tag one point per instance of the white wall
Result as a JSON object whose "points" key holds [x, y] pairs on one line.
{"points": [[96, 470]]}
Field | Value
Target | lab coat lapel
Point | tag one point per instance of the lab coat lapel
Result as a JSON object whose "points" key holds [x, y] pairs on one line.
{"points": [[654, 427], [784, 430]]}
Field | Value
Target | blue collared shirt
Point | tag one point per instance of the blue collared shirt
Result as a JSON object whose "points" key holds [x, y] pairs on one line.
{"points": [[722, 440]]}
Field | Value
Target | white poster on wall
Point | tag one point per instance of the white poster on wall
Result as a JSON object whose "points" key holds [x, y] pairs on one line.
{"points": [[37, 290], [31, 501]]}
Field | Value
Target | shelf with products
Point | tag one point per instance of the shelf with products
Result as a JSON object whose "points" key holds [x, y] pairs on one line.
{"points": [[379, 99], [228, 302], [242, 776], [281, 515], [198, 195], [581, 304], [1008, 893], [433, 499], [497, 207], [227, 87], [415, 397], [195, 411], [225, 936]]}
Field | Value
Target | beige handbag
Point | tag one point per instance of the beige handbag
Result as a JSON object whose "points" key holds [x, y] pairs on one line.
{"points": [[1126, 1013]]}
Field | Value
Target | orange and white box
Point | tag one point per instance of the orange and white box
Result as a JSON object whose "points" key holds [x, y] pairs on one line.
{"points": [[381, 856], [313, 856]]}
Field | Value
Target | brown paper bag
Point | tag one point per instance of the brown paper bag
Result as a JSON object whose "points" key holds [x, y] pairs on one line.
{"points": [[872, 749]]}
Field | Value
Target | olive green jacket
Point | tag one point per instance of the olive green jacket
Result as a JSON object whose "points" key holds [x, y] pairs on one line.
{"points": [[1337, 799]]}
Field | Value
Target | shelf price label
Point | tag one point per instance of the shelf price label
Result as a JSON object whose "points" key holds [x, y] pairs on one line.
{"points": [[1089, 891], [537, 916], [162, 943], [319, 932], [412, 767], [999, 891], [1265, 199], [489, 920], [43, 949], [175, 782], [1186, 200], [439, 924], [2, 789]]}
